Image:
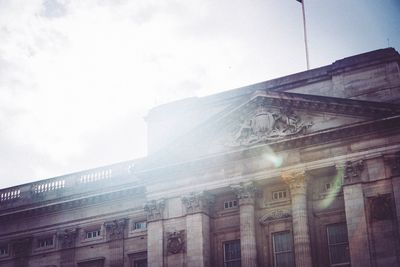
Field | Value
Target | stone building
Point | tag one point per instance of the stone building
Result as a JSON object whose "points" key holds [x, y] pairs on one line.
{"points": [[302, 170]]}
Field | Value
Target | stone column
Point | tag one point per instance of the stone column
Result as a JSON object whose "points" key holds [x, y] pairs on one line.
{"points": [[357, 228], [198, 228], [297, 181], [246, 192], [115, 233], [155, 232]]}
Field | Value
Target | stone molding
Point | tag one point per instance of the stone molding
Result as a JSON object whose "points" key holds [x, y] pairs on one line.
{"points": [[352, 171], [72, 204], [176, 242], [273, 215], [246, 192], [197, 202], [296, 180], [115, 229], [154, 209], [67, 237]]}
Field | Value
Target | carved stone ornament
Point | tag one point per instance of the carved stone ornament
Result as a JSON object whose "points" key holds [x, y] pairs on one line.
{"points": [[197, 202], [115, 229], [296, 180], [245, 192], [266, 125], [275, 215], [176, 241], [352, 171], [67, 238], [381, 208], [154, 209]]}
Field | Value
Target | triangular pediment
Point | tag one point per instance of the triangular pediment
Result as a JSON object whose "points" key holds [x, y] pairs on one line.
{"points": [[270, 117], [267, 117]]}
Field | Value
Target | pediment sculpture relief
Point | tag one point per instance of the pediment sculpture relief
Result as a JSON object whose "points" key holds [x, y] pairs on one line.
{"points": [[267, 125]]}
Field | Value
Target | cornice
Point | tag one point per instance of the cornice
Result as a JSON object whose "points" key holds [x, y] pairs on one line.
{"points": [[69, 204]]}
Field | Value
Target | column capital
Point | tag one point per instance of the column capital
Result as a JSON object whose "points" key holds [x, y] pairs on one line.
{"points": [[352, 171], [154, 209], [245, 192], [296, 180], [195, 202]]}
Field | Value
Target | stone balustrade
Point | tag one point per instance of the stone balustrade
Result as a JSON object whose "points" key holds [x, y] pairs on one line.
{"points": [[67, 185]]}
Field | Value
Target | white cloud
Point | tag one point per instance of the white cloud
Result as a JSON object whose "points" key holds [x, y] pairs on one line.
{"points": [[76, 77]]}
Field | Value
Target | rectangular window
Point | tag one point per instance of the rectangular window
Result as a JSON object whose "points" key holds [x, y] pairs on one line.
{"points": [[45, 242], [3, 250], [338, 245], [276, 195], [232, 254], [230, 204], [92, 234], [283, 249], [139, 225]]}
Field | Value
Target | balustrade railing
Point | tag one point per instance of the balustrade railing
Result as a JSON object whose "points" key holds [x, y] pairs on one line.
{"points": [[68, 184]]}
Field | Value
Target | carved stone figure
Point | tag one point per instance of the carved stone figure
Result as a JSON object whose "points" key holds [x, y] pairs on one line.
{"points": [[267, 125], [175, 243]]}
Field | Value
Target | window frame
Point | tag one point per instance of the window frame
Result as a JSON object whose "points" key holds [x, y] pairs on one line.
{"points": [[231, 204], [135, 223], [275, 253], [225, 261], [6, 249], [337, 244]]}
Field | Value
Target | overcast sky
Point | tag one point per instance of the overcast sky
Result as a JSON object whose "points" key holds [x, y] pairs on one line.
{"points": [[77, 77]]}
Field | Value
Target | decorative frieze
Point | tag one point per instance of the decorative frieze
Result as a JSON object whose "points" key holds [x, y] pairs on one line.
{"points": [[197, 202], [352, 171], [67, 238], [245, 192], [115, 229], [273, 215], [176, 242], [154, 209]]}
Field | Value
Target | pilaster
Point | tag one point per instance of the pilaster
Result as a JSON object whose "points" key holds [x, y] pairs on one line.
{"points": [[197, 206], [297, 182], [155, 231], [356, 219], [115, 233], [246, 193]]}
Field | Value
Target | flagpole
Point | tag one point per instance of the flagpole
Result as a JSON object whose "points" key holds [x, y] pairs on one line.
{"points": [[305, 33]]}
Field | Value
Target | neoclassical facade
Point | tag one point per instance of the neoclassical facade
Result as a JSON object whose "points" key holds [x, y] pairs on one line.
{"points": [[302, 170]]}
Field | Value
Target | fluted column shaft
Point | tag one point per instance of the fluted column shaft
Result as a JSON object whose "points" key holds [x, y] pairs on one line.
{"points": [[246, 195], [297, 182]]}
